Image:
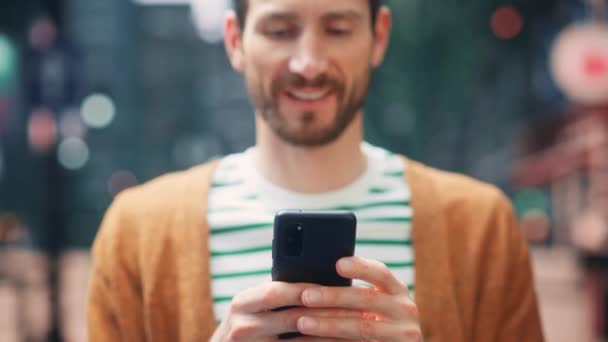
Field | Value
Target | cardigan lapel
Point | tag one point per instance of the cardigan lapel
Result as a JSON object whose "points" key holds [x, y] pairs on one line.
{"points": [[201, 319], [435, 296]]}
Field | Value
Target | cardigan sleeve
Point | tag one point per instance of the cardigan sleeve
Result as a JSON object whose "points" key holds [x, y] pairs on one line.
{"points": [[511, 302], [520, 316], [114, 310]]}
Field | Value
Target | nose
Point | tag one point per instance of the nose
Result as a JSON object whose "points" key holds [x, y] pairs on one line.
{"points": [[309, 59]]}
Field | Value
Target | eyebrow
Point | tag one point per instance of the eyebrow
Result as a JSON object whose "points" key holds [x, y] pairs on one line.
{"points": [[279, 16], [339, 15], [289, 16]]}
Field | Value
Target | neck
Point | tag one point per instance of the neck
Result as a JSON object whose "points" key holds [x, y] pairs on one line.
{"points": [[311, 170]]}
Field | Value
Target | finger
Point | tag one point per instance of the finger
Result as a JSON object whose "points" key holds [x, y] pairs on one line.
{"points": [[317, 339], [268, 296], [361, 299], [273, 323], [358, 329], [373, 272]]}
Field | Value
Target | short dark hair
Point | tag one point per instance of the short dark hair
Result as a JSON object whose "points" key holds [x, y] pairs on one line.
{"points": [[240, 7]]}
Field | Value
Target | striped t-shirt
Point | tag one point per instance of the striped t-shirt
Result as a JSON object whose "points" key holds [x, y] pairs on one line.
{"points": [[242, 205]]}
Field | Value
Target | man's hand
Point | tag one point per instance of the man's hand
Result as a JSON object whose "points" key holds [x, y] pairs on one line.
{"points": [[250, 317], [385, 313]]}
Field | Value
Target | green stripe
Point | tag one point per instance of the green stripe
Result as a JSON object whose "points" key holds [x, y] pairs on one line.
{"points": [[386, 219], [240, 274], [373, 205], [384, 242], [399, 264], [410, 287], [226, 184], [242, 251], [222, 299], [232, 229], [378, 190], [251, 197], [268, 248], [395, 174]]}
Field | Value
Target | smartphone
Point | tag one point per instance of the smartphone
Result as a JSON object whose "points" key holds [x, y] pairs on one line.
{"points": [[307, 245]]}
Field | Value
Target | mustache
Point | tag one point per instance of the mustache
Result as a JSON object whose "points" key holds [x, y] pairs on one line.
{"points": [[292, 80]]}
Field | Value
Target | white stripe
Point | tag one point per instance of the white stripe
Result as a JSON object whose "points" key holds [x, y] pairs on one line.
{"points": [[241, 263], [241, 240], [384, 230], [220, 220], [385, 253], [384, 211]]}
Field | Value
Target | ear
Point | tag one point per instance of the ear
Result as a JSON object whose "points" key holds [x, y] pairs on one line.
{"points": [[382, 32], [233, 41]]}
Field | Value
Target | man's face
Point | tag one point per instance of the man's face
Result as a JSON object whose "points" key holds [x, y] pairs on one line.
{"points": [[307, 65]]}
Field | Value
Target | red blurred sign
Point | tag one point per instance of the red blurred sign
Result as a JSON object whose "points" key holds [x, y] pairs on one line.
{"points": [[579, 62]]}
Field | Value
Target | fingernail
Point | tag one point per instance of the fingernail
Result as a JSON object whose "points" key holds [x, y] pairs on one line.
{"points": [[307, 324], [346, 265], [312, 296]]}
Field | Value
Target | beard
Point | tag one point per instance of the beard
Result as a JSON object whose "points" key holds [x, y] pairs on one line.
{"points": [[307, 132]]}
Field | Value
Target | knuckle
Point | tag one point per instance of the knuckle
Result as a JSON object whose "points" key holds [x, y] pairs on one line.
{"points": [[242, 332], [270, 295], [236, 305], [385, 272], [410, 309]]}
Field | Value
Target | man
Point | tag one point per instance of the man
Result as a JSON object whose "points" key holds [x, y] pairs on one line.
{"points": [[185, 252]]}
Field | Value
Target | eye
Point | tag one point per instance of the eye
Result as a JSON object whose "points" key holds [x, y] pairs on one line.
{"points": [[279, 30], [338, 32], [279, 33]]}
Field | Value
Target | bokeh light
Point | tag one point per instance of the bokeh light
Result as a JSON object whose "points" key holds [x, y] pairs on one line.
{"points": [[98, 111], [73, 153], [579, 63], [121, 180], [208, 18], [42, 130], [7, 58], [531, 199], [507, 22], [70, 125], [42, 33]]}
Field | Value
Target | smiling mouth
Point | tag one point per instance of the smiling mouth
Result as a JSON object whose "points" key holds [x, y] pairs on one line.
{"points": [[307, 95]]}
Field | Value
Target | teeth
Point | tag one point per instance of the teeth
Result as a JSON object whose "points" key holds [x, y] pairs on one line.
{"points": [[308, 96]]}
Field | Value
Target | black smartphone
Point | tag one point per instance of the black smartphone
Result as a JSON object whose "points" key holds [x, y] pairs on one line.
{"points": [[307, 245]]}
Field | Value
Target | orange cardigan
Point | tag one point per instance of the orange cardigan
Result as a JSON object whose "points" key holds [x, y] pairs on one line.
{"points": [[151, 279]]}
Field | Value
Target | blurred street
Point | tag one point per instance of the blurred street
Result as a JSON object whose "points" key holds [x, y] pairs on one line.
{"points": [[562, 302]]}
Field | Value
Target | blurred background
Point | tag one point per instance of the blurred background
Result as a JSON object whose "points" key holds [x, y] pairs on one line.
{"points": [[97, 96]]}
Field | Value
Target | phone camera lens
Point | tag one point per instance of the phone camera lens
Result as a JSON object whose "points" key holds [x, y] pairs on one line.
{"points": [[293, 236]]}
